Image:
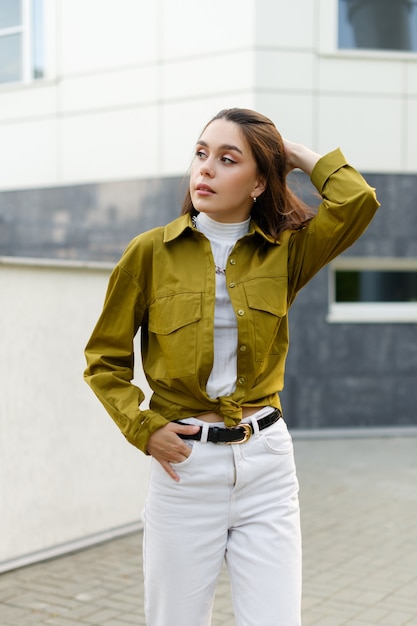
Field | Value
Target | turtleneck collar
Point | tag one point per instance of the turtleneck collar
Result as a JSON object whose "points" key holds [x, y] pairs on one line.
{"points": [[220, 230]]}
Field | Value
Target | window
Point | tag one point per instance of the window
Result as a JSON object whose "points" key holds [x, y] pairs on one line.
{"points": [[375, 286], [21, 40], [373, 290], [378, 24]]}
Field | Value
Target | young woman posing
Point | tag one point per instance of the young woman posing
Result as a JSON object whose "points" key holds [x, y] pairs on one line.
{"points": [[211, 293]]}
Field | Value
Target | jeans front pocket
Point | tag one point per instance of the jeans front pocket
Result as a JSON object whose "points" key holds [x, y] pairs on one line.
{"points": [[189, 458], [277, 439]]}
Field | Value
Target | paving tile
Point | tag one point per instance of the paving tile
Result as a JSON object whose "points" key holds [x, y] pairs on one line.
{"points": [[372, 615], [399, 618], [359, 542]]}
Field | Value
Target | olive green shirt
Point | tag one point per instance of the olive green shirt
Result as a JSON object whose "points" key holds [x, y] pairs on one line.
{"points": [[164, 284]]}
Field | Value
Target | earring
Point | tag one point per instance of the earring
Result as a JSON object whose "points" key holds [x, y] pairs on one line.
{"points": [[254, 200]]}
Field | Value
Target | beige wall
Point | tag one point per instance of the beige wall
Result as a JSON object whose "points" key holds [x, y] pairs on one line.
{"points": [[66, 473]]}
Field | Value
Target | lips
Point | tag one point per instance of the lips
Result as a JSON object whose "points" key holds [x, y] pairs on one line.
{"points": [[204, 188]]}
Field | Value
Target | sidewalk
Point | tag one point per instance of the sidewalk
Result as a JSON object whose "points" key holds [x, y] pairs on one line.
{"points": [[359, 517]]}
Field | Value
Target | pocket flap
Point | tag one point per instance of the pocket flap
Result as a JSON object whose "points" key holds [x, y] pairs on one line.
{"points": [[169, 313], [268, 294]]}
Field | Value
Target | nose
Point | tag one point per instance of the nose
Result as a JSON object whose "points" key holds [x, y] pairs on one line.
{"points": [[206, 168]]}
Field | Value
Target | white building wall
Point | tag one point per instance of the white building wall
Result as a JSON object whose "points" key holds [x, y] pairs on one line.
{"points": [[130, 85], [67, 475], [367, 99]]}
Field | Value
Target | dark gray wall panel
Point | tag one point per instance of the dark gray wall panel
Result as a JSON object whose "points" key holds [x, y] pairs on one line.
{"points": [[85, 222]]}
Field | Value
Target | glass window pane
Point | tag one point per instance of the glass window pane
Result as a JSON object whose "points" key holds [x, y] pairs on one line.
{"points": [[376, 286], [10, 13], [346, 37], [38, 61], [11, 58], [378, 24]]}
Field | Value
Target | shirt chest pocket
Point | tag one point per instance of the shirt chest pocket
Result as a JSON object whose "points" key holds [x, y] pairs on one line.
{"points": [[172, 336], [267, 302]]}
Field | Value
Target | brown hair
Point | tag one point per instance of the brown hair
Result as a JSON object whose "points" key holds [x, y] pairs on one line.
{"points": [[277, 208]]}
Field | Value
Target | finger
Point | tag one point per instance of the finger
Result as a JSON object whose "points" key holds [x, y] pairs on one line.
{"points": [[185, 451], [185, 429], [178, 453], [182, 447], [169, 470]]}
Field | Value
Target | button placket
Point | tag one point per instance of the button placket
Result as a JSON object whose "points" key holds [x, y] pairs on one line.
{"points": [[241, 380], [240, 312]]}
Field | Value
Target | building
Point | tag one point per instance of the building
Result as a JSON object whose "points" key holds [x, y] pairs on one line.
{"points": [[100, 106]]}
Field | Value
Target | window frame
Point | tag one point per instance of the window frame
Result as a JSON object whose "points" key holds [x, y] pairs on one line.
{"points": [[25, 29], [369, 312], [328, 38]]}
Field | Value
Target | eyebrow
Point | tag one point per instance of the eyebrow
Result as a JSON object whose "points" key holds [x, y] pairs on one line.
{"points": [[224, 146]]}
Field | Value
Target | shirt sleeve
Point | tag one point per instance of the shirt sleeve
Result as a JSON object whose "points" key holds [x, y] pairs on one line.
{"points": [[110, 359], [348, 205]]}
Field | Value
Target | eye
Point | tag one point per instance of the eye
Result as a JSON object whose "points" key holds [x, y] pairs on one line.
{"points": [[227, 160], [200, 154]]}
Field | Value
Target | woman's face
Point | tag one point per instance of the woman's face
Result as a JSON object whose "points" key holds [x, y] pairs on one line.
{"points": [[224, 177]]}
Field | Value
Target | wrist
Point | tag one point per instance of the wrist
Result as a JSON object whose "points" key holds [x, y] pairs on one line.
{"points": [[301, 157]]}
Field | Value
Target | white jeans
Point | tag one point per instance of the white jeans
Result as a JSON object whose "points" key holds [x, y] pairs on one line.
{"points": [[233, 502]]}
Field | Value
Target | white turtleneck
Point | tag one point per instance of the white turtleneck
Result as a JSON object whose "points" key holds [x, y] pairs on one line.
{"points": [[222, 380]]}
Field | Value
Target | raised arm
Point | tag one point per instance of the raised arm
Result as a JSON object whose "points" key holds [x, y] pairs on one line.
{"points": [[300, 157], [348, 205]]}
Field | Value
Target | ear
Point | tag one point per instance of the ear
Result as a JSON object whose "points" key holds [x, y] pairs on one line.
{"points": [[260, 186]]}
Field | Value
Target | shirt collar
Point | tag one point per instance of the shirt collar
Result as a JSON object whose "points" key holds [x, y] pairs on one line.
{"points": [[175, 229]]}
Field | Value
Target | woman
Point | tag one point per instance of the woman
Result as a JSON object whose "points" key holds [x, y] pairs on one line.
{"points": [[211, 293]]}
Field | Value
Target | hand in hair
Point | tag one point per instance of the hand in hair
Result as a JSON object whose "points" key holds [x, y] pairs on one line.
{"points": [[298, 156]]}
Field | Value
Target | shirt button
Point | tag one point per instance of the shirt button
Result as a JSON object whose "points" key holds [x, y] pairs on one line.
{"points": [[242, 348], [241, 312], [232, 262], [232, 285], [242, 380]]}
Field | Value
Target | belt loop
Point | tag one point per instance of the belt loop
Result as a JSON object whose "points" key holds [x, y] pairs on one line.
{"points": [[255, 425], [204, 432]]}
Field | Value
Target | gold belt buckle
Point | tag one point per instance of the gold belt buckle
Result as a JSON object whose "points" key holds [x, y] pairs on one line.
{"points": [[248, 433]]}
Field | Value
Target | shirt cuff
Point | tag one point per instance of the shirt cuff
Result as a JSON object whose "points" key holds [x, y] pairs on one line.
{"points": [[326, 166], [142, 428]]}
